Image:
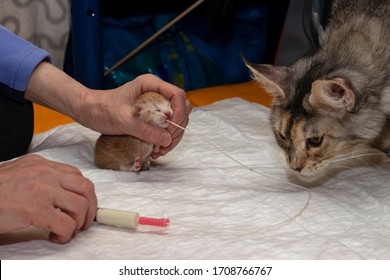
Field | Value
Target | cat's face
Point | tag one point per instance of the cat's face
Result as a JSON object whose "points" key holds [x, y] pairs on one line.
{"points": [[316, 119], [313, 144], [154, 108]]}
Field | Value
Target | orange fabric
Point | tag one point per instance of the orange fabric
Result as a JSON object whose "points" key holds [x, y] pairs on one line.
{"points": [[249, 91], [46, 119]]}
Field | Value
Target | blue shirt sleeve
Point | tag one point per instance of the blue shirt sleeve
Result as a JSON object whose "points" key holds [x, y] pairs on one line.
{"points": [[18, 59]]}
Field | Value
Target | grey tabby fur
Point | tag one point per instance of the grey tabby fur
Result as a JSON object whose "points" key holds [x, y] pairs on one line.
{"points": [[335, 106]]}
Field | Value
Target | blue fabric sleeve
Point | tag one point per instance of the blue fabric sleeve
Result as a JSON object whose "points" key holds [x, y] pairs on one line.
{"points": [[18, 59]]}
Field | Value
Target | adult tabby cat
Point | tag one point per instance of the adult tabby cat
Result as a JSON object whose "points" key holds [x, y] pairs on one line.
{"points": [[335, 105]]}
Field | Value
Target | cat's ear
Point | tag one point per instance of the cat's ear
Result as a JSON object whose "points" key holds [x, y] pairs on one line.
{"points": [[332, 95], [274, 79]]}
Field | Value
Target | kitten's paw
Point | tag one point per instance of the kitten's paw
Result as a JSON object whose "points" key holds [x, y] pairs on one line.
{"points": [[146, 165], [137, 165]]}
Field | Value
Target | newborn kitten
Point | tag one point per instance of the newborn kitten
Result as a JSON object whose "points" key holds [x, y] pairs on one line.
{"points": [[128, 153], [335, 105]]}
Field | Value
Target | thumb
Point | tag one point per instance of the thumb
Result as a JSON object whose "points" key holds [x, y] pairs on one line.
{"points": [[154, 135]]}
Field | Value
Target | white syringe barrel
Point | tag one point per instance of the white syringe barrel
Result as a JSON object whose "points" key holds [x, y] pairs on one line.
{"points": [[117, 218]]}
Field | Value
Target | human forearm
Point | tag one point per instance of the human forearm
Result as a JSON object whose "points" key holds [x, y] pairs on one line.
{"points": [[52, 88], [108, 111]]}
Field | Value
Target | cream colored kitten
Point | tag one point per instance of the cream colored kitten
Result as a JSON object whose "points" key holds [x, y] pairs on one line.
{"points": [[128, 153]]}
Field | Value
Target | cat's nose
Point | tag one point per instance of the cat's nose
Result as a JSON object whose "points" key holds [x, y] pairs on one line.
{"points": [[298, 169], [168, 114], [297, 166]]}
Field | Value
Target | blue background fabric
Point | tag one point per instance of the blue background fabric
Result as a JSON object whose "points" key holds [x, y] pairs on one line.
{"points": [[196, 52]]}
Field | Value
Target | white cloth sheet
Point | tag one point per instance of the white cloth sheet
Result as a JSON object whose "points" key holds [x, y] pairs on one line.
{"points": [[218, 208]]}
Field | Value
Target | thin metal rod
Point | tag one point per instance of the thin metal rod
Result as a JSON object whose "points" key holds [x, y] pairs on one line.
{"points": [[154, 36]]}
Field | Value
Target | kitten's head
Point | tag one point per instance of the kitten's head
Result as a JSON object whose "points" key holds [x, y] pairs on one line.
{"points": [[153, 108], [318, 117]]}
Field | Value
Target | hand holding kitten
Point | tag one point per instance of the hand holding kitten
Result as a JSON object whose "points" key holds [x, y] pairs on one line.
{"points": [[111, 112]]}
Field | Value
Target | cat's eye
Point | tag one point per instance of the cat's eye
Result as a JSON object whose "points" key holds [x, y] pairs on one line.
{"points": [[282, 137], [315, 141]]}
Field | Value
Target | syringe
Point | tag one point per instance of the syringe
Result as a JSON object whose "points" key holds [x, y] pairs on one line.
{"points": [[127, 219]]}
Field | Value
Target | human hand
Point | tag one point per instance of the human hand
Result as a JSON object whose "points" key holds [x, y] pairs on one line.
{"points": [[110, 112], [45, 194], [179, 103]]}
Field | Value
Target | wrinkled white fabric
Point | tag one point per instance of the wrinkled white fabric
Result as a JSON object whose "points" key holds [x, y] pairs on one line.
{"points": [[218, 208]]}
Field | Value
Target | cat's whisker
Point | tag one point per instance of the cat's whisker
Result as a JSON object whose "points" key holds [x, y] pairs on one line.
{"points": [[356, 156], [353, 168], [349, 162], [353, 161], [357, 153]]}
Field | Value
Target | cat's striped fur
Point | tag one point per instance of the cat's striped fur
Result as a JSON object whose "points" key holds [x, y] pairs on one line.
{"points": [[335, 105]]}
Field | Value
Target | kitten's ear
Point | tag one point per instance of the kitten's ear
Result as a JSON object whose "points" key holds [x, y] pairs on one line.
{"points": [[137, 108], [335, 95], [274, 79]]}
